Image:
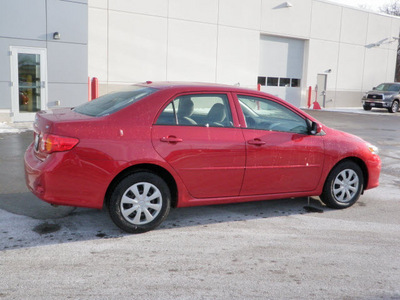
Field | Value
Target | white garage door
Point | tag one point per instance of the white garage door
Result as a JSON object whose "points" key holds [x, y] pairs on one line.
{"points": [[281, 67]]}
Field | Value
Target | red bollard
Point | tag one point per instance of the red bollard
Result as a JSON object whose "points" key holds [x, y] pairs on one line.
{"points": [[89, 90], [309, 96], [258, 87], [95, 88]]}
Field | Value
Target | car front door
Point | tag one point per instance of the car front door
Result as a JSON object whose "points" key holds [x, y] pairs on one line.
{"points": [[196, 135], [282, 157]]}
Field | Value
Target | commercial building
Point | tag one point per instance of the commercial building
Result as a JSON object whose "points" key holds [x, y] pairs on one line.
{"points": [[40, 69], [50, 47]]}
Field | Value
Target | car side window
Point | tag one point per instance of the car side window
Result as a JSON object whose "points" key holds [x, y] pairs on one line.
{"points": [[265, 114], [206, 110]]}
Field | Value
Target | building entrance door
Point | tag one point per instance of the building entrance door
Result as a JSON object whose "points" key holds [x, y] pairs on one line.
{"points": [[321, 89], [29, 81]]}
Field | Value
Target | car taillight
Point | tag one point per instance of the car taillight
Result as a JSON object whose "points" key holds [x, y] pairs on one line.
{"points": [[54, 143]]}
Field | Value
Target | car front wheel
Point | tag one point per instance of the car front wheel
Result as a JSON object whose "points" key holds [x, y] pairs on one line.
{"points": [[395, 107], [367, 107], [140, 202], [343, 185]]}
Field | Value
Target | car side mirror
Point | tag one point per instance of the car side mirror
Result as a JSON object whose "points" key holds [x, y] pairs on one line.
{"points": [[315, 128], [374, 88]]}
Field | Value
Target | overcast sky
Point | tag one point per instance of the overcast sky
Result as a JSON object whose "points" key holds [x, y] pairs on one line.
{"points": [[369, 4]]}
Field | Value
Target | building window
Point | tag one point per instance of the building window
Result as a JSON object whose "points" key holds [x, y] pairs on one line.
{"points": [[295, 82], [261, 80], [284, 82], [279, 81], [272, 81]]}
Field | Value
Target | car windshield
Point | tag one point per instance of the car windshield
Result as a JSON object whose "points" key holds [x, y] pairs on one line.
{"points": [[387, 87], [113, 102]]}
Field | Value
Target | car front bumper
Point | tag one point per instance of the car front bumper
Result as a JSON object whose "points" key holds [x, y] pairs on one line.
{"points": [[379, 104], [374, 166]]}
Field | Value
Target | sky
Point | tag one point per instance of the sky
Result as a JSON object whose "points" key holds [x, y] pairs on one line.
{"points": [[369, 4]]}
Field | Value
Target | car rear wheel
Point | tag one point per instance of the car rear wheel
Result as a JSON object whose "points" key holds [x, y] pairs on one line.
{"points": [[367, 107], [140, 202], [343, 185], [395, 107]]}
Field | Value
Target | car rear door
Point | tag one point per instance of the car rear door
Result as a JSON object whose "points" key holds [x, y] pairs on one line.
{"points": [[197, 135], [281, 156]]}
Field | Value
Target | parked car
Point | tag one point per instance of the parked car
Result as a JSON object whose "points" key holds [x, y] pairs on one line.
{"points": [[385, 95], [159, 145]]}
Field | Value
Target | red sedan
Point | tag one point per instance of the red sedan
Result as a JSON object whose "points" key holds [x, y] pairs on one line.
{"points": [[154, 146]]}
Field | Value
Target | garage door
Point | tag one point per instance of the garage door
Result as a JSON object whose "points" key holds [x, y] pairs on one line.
{"points": [[281, 67]]}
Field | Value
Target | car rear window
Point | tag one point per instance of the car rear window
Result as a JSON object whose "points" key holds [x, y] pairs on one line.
{"points": [[113, 102]]}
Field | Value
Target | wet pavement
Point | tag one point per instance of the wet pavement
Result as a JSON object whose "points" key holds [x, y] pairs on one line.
{"points": [[255, 250], [14, 195]]}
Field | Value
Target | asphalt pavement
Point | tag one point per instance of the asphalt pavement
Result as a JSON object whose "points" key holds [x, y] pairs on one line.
{"points": [[259, 250], [14, 195]]}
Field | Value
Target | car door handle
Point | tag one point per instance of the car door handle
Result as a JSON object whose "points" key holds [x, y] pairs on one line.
{"points": [[171, 139], [256, 142]]}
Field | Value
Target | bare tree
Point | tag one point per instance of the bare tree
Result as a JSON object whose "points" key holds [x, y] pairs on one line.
{"points": [[393, 8]]}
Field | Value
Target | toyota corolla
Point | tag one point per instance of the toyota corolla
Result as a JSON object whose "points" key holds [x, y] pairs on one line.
{"points": [[154, 146]]}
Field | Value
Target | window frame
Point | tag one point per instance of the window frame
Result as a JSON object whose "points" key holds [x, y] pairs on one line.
{"points": [[281, 104], [224, 94]]}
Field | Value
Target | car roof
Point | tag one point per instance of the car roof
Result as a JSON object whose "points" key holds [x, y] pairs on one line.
{"points": [[198, 86]]}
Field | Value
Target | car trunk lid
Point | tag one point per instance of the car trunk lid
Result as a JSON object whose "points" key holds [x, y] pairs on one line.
{"points": [[48, 137]]}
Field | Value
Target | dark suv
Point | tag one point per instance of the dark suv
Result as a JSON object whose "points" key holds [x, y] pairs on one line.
{"points": [[385, 95]]}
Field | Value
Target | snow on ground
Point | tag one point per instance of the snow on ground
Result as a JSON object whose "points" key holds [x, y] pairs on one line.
{"points": [[18, 231], [15, 127]]}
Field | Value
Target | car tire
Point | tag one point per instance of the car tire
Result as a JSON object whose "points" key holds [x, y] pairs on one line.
{"points": [[140, 202], [343, 186], [367, 107], [394, 107]]}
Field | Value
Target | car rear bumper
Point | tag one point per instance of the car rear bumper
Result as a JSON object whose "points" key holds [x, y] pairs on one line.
{"points": [[61, 180], [35, 174]]}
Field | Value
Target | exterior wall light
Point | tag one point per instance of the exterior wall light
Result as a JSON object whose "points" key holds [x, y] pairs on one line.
{"points": [[288, 4], [56, 35]]}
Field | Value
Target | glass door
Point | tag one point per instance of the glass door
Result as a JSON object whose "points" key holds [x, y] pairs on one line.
{"points": [[28, 66]]}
